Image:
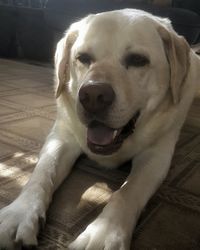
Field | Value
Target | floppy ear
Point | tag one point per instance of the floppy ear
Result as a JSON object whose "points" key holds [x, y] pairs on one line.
{"points": [[62, 59], [177, 52]]}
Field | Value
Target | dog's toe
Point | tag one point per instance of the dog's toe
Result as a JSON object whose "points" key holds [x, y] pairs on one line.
{"points": [[101, 234]]}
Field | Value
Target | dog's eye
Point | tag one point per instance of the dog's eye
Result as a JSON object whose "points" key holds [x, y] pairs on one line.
{"points": [[84, 58], [135, 60]]}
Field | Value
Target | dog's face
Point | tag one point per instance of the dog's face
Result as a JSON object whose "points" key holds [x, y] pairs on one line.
{"points": [[119, 72]]}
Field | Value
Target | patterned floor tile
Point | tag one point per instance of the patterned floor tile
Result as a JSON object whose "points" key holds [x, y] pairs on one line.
{"points": [[30, 100], [170, 221]]}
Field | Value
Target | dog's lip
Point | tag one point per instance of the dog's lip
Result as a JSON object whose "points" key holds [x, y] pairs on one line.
{"points": [[105, 140]]}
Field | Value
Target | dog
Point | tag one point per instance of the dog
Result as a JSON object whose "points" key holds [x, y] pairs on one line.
{"points": [[124, 81]]}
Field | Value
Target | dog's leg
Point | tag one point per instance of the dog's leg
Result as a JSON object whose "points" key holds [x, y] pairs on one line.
{"points": [[112, 230], [19, 221]]}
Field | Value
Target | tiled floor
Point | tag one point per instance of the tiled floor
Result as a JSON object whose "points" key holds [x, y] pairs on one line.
{"points": [[171, 219]]}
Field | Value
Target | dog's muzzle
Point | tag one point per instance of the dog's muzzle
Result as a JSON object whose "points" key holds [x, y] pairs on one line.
{"points": [[96, 99]]}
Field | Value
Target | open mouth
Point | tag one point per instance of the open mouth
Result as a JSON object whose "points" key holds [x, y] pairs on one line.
{"points": [[105, 140]]}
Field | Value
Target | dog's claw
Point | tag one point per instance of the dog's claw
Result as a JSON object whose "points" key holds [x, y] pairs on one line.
{"points": [[42, 221], [18, 245], [30, 247]]}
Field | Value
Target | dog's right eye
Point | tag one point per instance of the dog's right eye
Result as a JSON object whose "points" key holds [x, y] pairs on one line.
{"points": [[84, 58]]}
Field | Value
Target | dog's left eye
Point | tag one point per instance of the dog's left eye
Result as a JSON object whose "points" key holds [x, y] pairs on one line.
{"points": [[84, 58], [135, 60]]}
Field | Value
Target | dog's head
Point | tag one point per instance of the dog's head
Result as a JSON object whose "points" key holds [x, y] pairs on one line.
{"points": [[118, 67]]}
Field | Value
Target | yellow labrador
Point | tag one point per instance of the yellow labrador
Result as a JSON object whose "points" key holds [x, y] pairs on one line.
{"points": [[124, 83]]}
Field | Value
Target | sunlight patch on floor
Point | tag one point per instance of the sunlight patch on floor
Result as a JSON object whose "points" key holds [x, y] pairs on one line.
{"points": [[97, 194]]}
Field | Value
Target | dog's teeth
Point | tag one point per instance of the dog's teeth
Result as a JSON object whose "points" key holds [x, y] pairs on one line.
{"points": [[115, 134]]}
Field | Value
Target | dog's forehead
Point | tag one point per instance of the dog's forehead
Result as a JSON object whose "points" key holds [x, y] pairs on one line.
{"points": [[118, 29]]}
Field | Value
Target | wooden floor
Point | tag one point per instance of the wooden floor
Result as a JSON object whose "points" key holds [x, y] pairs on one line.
{"points": [[171, 219]]}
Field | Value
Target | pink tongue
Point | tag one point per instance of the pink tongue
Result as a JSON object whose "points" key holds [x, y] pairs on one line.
{"points": [[100, 134]]}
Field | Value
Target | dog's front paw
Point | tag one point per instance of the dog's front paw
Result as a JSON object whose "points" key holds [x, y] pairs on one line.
{"points": [[102, 234], [19, 224]]}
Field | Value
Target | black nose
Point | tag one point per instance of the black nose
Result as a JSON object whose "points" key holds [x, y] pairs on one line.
{"points": [[96, 97]]}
